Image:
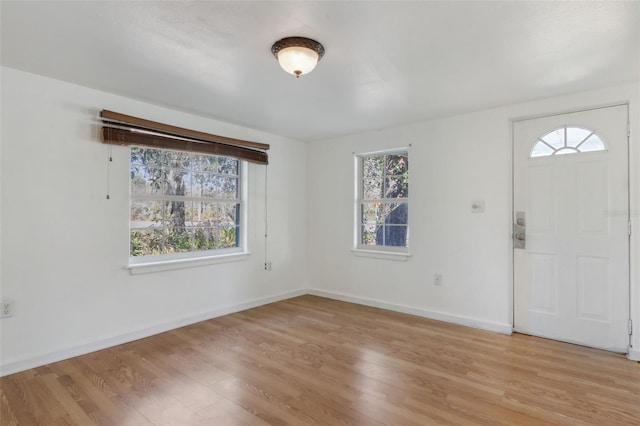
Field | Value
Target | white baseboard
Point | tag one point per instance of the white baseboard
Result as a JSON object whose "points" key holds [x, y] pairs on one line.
{"points": [[503, 328], [39, 360]]}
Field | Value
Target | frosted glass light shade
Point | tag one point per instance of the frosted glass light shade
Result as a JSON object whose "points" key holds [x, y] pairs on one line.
{"points": [[297, 55], [297, 60]]}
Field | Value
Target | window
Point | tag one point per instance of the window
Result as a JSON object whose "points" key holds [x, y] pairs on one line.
{"points": [[383, 201], [183, 202], [567, 140]]}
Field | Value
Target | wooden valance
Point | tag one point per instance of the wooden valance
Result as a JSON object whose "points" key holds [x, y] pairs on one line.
{"points": [[122, 129]]}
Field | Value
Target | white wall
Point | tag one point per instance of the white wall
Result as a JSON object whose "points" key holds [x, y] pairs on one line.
{"points": [[65, 246], [452, 162]]}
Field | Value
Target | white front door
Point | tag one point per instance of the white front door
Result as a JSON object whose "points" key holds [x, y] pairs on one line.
{"points": [[571, 213]]}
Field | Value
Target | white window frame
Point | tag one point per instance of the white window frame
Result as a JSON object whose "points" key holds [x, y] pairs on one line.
{"points": [[382, 252], [161, 262]]}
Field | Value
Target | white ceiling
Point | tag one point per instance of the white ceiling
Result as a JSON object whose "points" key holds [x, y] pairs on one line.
{"points": [[386, 63]]}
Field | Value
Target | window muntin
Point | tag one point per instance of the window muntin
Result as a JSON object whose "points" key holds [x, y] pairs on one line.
{"points": [[183, 204], [383, 201], [567, 140]]}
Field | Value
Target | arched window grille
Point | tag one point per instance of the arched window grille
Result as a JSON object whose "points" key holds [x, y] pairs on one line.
{"points": [[567, 140]]}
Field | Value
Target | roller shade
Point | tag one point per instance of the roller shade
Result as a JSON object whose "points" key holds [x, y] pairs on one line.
{"points": [[122, 129]]}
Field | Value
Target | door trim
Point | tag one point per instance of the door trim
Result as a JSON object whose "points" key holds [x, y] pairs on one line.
{"points": [[570, 111]]}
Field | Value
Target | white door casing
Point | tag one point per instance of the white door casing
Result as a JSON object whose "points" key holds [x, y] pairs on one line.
{"points": [[571, 281]]}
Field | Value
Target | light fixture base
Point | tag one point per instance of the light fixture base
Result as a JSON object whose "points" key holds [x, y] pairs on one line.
{"points": [[297, 42]]}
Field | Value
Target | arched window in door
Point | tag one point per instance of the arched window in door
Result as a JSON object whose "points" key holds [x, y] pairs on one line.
{"points": [[567, 140]]}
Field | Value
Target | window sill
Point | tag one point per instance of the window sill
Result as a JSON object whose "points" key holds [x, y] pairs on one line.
{"points": [[169, 265], [384, 255]]}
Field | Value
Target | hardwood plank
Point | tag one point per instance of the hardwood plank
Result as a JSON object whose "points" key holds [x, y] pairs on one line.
{"points": [[315, 361], [7, 410], [71, 409]]}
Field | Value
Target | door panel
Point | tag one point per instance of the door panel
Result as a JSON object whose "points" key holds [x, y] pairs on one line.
{"points": [[593, 181], [541, 199], [593, 288], [571, 281], [544, 286]]}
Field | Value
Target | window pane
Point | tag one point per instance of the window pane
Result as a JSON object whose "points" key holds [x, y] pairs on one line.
{"points": [[368, 235], [146, 242], [371, 213], [227, 165], [229, 186], [541, 150], [146, 214], [215, 186], [136, 154], [205, 238], [372, 178], [396, 187], [177, 160], [396, 214], [147, 157], [176, 181], [205, 163], [395, 235], [575, 135], [145, 181], [378, 218], [227, 237], [372, 188], [396, 164], [555, 138], [178, 239], [221, 214], [175, 213], [594, 143], [217, 227], [187, 180], [197, 184]]}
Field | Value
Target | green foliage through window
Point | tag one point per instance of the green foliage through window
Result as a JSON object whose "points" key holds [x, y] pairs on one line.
{"points": [[183, 202]]}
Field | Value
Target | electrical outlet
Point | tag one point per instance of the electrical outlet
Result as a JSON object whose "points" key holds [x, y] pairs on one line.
{"points": [[437, 279], [267, 266], [6, 308]]}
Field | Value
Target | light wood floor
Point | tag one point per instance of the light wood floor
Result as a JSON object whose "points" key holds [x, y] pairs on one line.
{"points": [[314, 361]]}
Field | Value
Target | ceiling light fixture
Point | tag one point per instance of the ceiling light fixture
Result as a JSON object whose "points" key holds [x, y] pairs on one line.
{"points": [[297, 55]]}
